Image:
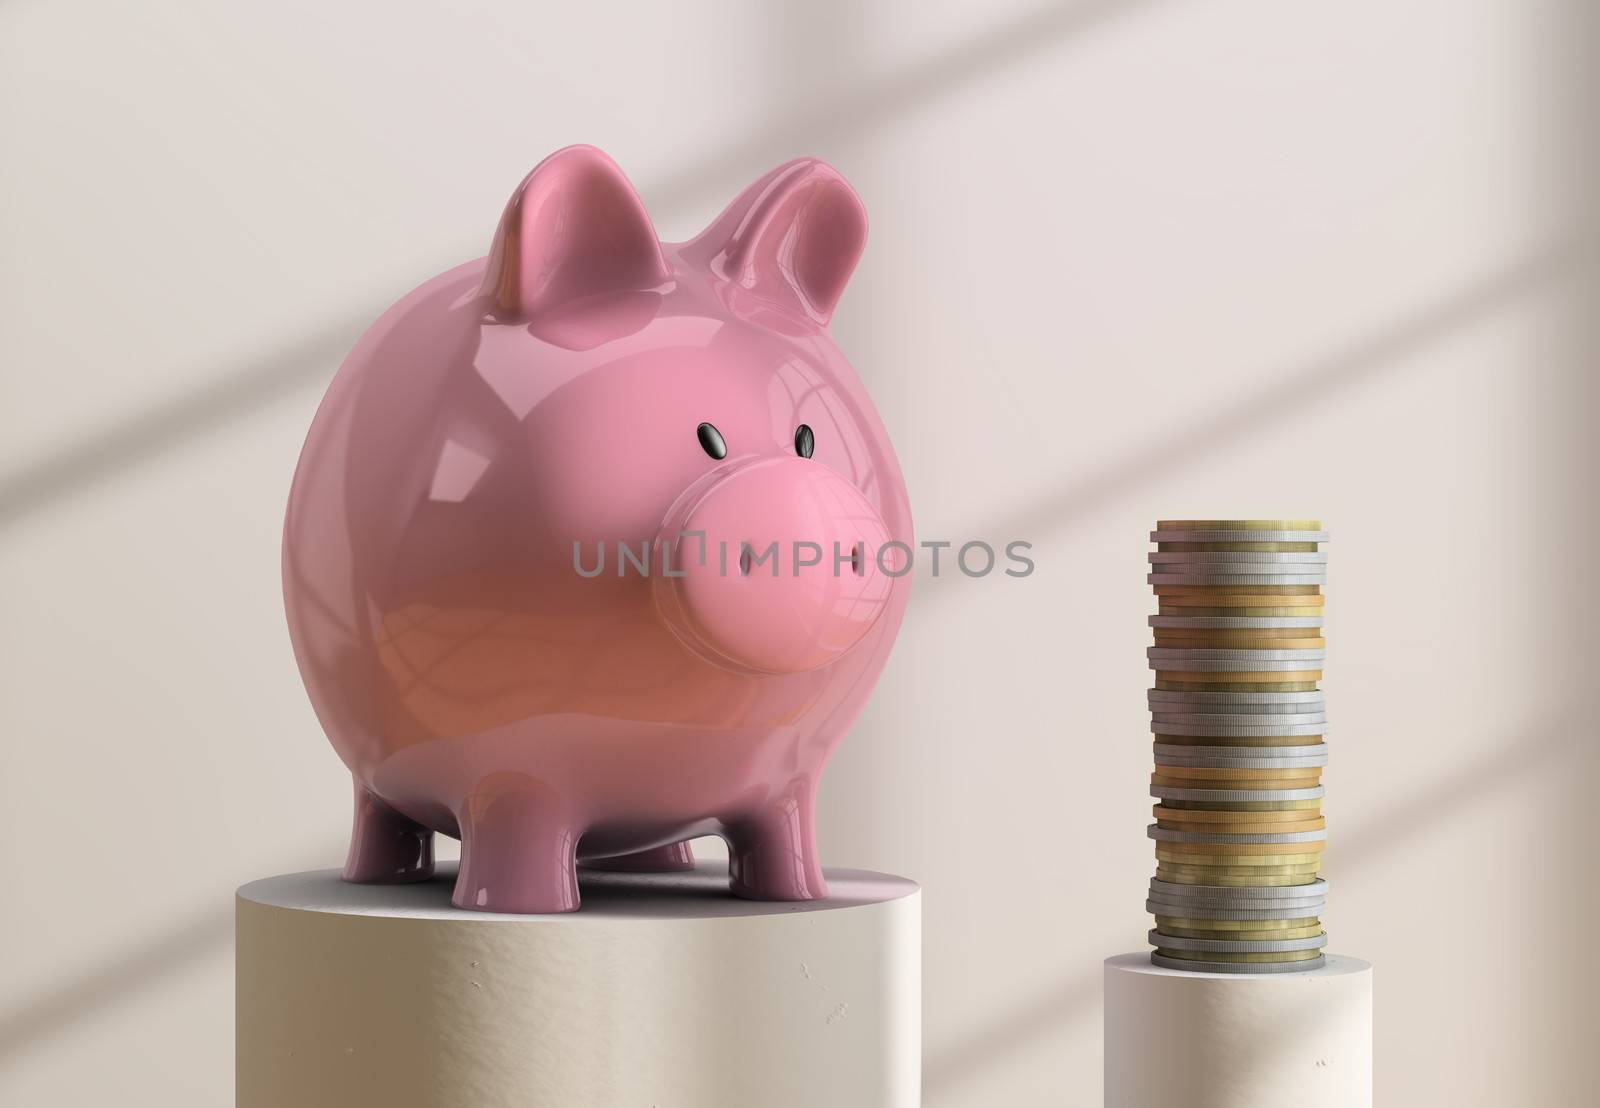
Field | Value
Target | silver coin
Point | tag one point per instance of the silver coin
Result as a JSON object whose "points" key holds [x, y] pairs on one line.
{"points": [[1205, 761], [1212, 744], [1236, 623], [1166, 762], [1244, 654], [1244, 714], [1305, 818], [1260, 715], [1166, 835], [1310, 890], [1239, 719], [1229, 665], [1238, 730], [1257, 715], [1269, 565], [1263, 713], [1238, 536], [1238, 557], [1204, 911], [1235, 796], [1201, 714], [1236, 579], [1261, 898], [1208, 572], [1168, 666], [1267, 701], [1239, 763], [1237, 946], [1180, 750], [1213, 573], [1245, 909], [1238, 967]]}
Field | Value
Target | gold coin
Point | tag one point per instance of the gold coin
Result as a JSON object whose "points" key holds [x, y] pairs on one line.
{"points": [[1311, 846], [1183, 877], [1227, 640], [1213, 773], [1251, 636], [1173, 669], [1243, 828], [1224, 681], [1244, 863], [1232, 786], [1170, 684], [1234, 604], [1252, 612], [1243, 848], [1196, 640], [1276, 935], [1269, 784], [1241, 863], [1222, 877], [1302, 819], [1217, 875], [1239, 525], [1244, 956], [1311, 599], [1248, 547], [1231, 740], [1200, 742], [1165, 810], [1165, 922], [1228, 773], [1265, 850], [1244, 805], [1261, 863], [1250, 633]]}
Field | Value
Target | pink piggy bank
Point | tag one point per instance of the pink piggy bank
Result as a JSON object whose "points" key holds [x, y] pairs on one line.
{"points": [[597, 544]]}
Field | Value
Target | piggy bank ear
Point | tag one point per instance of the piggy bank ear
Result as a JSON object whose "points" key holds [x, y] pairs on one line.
{"points": [[573, 228], [793, 237]]}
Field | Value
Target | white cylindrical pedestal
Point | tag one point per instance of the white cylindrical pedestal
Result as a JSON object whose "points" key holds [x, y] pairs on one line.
{"points": [[1216, 1040], [664, 990]]}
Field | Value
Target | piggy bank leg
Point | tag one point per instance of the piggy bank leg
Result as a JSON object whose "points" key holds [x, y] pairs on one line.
{"points": [[672, 858], [386, 847], [518, 848], [772, 852]]}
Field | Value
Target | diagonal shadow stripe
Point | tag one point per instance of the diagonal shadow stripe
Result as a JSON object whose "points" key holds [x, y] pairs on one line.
{"points": [[48, 1015], [904, 92], [55, 1009], [312, 359], [165, 426], [1562, 257]]}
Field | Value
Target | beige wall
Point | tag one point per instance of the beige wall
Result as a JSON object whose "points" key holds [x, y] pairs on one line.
{"points": [[1130, 259]]}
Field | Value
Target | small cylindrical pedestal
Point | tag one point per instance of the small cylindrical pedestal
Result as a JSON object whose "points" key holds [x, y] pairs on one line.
{"points": [[1175, 1039], [663, 990]]}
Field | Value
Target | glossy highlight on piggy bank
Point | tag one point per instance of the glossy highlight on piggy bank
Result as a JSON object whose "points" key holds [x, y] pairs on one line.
{"points": [[588, 385]]}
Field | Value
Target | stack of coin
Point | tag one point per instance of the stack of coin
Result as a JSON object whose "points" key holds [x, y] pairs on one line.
{"points": [[1239, 728]]}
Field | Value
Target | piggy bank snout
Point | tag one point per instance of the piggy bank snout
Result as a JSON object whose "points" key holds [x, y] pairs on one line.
{"points": [[778, 566]]}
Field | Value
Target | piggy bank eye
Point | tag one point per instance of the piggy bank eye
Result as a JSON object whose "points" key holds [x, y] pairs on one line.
{"points": [[711, 441], [804, 441]]}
